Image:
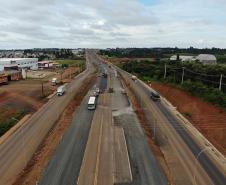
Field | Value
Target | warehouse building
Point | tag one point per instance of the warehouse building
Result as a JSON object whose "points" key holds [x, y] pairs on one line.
{"points": [[18, 63], [182, 58], [207, 59]]}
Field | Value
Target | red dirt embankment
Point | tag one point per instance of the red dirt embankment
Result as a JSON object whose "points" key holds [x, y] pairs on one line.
{"points": [[208, 119]]}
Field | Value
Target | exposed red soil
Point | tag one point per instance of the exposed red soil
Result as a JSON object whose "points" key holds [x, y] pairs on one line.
{"points": [[208, 119], [21, 95], [36, 166]]}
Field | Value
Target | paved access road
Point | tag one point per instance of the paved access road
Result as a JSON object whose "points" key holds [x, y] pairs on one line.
{"points": [[17, 150]]}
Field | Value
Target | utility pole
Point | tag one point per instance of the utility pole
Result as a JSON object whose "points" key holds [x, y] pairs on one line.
{"points": [[220, 82], [165, 72], [61, 73], [42, 90], [70, 72], [182, 80]]}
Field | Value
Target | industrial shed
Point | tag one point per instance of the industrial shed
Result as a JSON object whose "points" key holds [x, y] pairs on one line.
{"points": [[207, 59], [13, 63]]}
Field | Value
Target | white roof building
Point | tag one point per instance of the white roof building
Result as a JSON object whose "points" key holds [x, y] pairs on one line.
{"points": [[207, 59], [29, 63], [182, 58]]}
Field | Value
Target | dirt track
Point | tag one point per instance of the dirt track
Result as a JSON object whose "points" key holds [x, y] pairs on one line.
{"points": [[210, 120]]}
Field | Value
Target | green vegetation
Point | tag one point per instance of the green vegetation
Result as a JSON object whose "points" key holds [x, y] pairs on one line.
{"points": [[70, 62], [221, 59], [200, 80], [162, 52], [8, 123]]}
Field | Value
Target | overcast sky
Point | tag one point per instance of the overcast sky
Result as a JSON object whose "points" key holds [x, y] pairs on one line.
{"points": [[112, 23]]}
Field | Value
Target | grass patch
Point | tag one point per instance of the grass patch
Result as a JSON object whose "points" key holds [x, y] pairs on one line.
{"points": [[8, 123], [71, 62]]}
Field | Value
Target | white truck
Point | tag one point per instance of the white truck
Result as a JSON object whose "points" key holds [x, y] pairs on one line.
{"points": [[54, 81], [92, 103], [61, 90]]}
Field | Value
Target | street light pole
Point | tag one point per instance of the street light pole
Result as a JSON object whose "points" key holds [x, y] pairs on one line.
{"points": [[196, 163]]}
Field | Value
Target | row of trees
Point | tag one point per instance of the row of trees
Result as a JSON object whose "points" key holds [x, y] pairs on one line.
{"points": [[159, 53], [200, 80]]}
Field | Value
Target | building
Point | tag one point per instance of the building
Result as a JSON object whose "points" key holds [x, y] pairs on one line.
{"points": [[3, 78], [207, 59], [182, 58], [13, 75], [45, 64], [18, 63]]}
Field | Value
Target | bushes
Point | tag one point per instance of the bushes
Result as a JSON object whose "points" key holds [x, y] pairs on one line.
{"points": [[10, 122], [211, 95], [155, 71]]}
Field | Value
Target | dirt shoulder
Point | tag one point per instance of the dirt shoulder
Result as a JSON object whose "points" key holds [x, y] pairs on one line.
{"points": [[207, 118], [39, 161]]}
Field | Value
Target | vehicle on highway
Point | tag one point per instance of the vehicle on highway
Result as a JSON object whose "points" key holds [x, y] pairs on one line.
{"points": [[54, 81], [123, 91], [155, 96], [61, 90], [92, 103], [134, 77], [104, 75]]}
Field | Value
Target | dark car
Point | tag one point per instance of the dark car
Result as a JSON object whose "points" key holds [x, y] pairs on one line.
{"points": [[155, 96], [104, 75]]}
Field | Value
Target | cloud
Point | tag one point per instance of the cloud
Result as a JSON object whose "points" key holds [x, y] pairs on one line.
{"points": [[112, 23]]}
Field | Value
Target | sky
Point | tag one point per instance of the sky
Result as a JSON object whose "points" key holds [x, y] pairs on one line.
{"points": [[112, 23]]}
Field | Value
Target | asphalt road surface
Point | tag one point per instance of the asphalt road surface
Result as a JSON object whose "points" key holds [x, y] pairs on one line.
{"points": [[64, 167], [18, 149], [144, 166]]}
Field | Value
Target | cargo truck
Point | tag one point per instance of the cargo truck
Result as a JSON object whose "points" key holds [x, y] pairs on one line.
{"points": [[61, 90]]}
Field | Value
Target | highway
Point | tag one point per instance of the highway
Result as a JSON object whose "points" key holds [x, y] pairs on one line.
{"points": [[108, 146], [17, 150], [65, 165], [173, 134], [101, 148]]}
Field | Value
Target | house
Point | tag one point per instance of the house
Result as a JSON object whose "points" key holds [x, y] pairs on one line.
{"points": [[207, 59]]}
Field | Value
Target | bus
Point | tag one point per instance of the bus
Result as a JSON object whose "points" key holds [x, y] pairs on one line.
{"points": [[92, 103]]}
